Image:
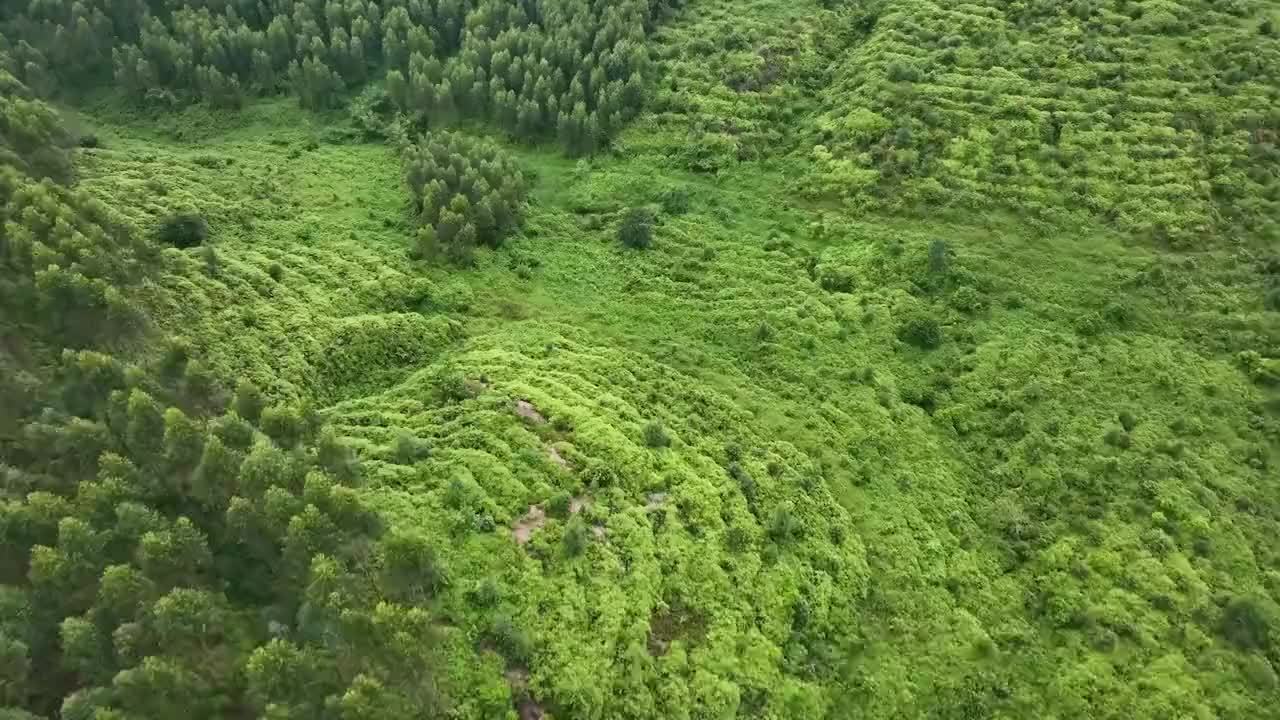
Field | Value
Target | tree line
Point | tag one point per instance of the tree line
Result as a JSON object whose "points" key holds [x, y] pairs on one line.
{"points": [[63, 255], [573, 70], [171, 549], [162, 564]]}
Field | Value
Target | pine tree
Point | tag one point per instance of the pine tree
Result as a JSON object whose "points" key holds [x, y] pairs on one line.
{"points": [[461, 250], [444, 109], [279, 42], [398, 90], [478, 99], [264, 73], [358, 62], [590, 135], [567, 131], [633, 95], [528, 121], [486, 225], [317, 86]]}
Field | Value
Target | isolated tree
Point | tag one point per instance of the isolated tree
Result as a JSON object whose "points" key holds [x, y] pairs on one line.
{"points": [[636, 228], [939, 257], [249, 401], [183, 230], [922, 330]]}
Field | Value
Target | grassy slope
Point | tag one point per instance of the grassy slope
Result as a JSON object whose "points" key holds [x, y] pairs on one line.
{"points": [[996, 551]]}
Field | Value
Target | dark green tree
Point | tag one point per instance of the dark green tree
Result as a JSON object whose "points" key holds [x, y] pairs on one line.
{"points": [[636, 229]]}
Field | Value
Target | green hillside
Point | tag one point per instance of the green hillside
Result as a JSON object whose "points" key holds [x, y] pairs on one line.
{"points": [[373, 359]]}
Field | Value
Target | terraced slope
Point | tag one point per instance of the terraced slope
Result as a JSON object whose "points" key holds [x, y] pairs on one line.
{"points": [[1156, 119], [304, 232], [1146, 114]]}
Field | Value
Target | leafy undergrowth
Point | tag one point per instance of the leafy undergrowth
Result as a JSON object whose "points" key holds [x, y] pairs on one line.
{"points": [[307, 234], [785, 462]]}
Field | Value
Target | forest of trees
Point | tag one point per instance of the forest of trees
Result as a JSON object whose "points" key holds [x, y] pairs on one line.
{"points": [[465, 193], [171, 550], [572, 70], [211, 566]]}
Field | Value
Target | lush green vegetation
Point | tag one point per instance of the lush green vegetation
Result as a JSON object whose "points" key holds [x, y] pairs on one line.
{"points": [[464, 193], [639, 360]]}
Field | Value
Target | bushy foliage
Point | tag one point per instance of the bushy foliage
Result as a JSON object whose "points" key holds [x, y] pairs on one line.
{"points": [[655, 435], [183, 230], [66, 257], [921, 329], [636, 229], [675, 201], [995, 107], [1012, 509], [465, 193]]}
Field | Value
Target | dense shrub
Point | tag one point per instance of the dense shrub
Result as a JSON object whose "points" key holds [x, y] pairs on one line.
{"points": [[576, 537], [510, 640], [183, 230], [1117, 438], [407, 448], [559, 505], [655, 435], [922, 330], [674, 201], [836, 279], [636, 229], [967, 299], [1247, 624]]}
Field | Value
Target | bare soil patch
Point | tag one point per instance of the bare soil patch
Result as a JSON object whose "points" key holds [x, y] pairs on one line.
{"points": [[526, 410], [532, 520]]}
